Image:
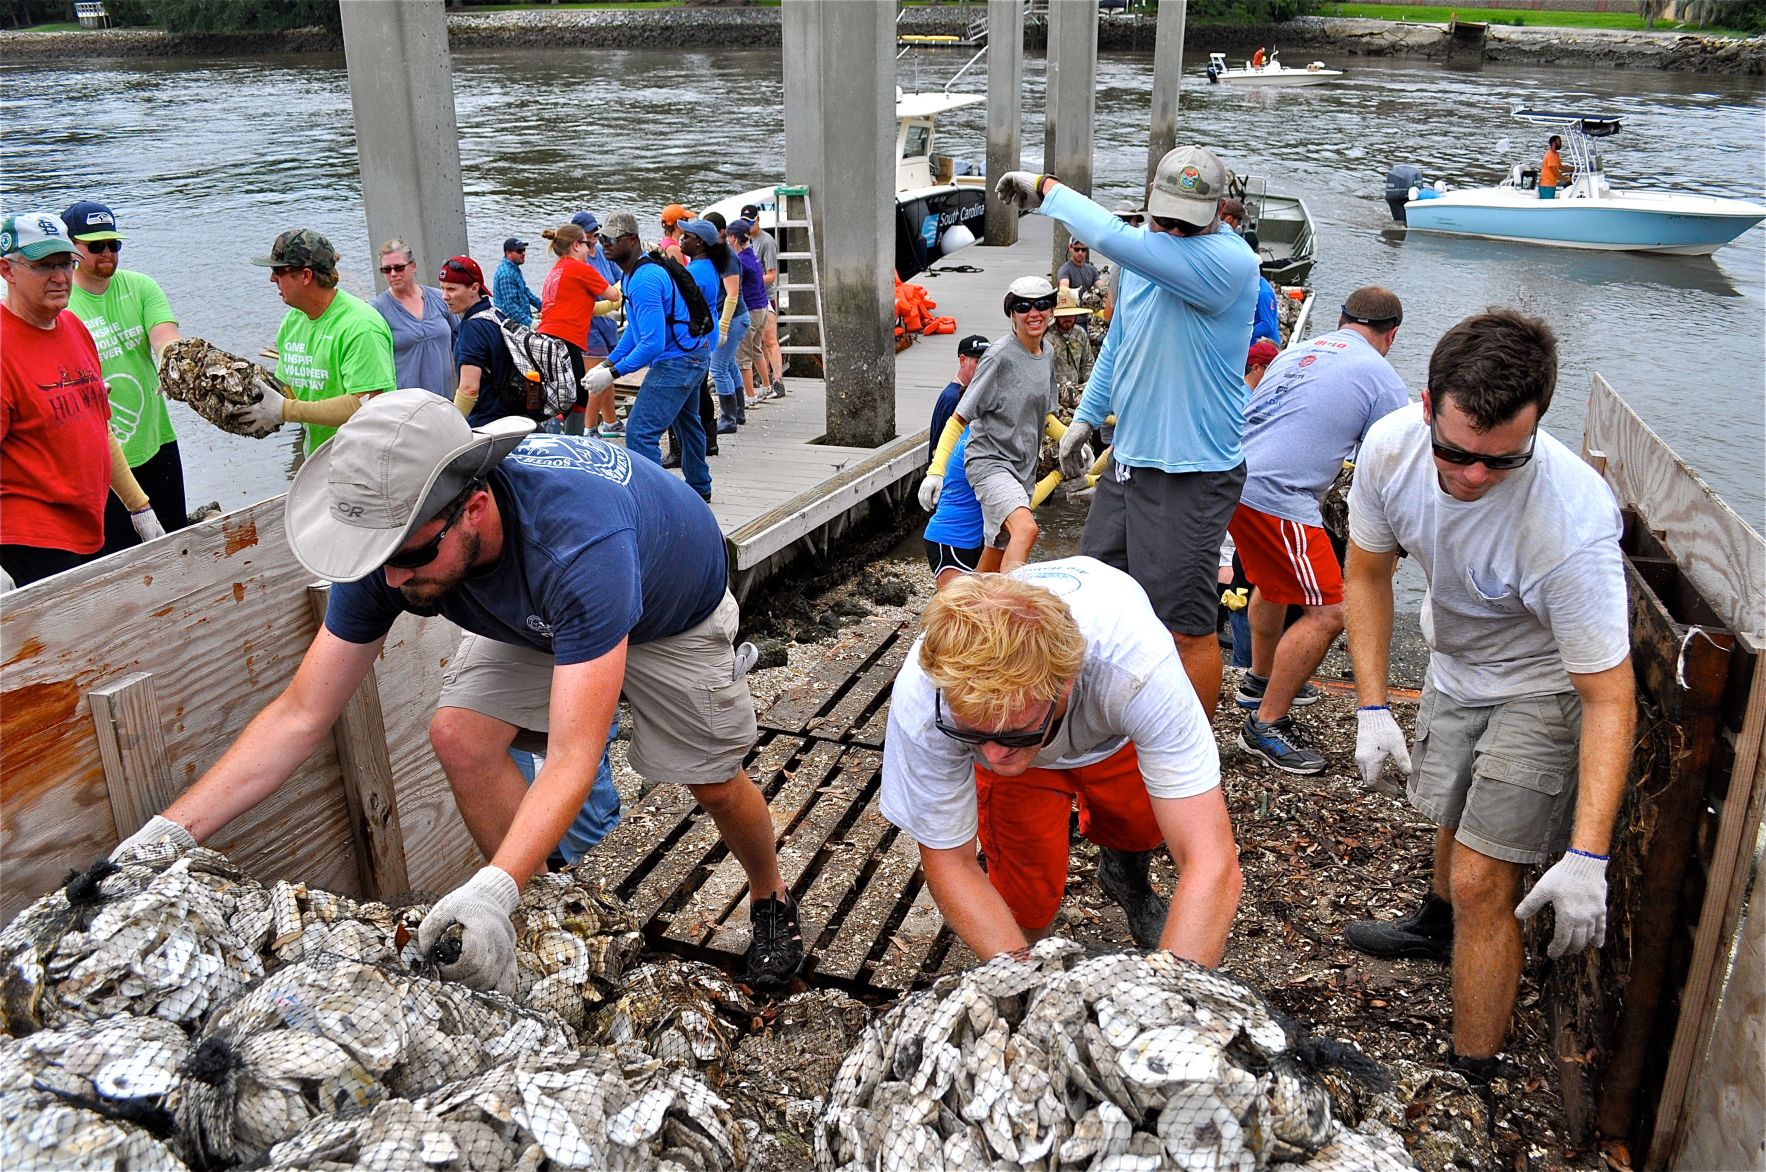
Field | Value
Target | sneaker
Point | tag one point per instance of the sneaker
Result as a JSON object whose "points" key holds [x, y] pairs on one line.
{"points": [[776, 951], [610, 430], [747, 655], [1426, 933], [779, 388], [1278, 743], [1252, 687], [766, 393]]}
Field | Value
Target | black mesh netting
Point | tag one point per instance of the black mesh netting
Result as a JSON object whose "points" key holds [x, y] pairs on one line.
{"points": [[1052, 1057], [41, 1129]]}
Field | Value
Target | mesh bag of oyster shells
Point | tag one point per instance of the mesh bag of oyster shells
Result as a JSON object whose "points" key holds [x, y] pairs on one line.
{"points": [[123, 1066], [338, 1035], [164, 934], [1135, 1060], [47, 1130], [214, 383], [682, 1012], [589, 1109], [573, 940]]}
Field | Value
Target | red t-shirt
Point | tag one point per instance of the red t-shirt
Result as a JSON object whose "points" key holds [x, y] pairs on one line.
{"points": [[567, 300], [54, 436]]}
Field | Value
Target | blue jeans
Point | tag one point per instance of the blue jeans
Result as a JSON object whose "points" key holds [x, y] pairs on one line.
{"points": [[726, 376], [669, 396], [600, 811]]}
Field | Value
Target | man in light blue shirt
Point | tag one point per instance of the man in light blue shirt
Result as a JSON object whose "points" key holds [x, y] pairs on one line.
{"points": [[1172, 371], [509, 291]]}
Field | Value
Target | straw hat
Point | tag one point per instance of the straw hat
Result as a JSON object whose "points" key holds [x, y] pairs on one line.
{"points": [[1067, 304]]}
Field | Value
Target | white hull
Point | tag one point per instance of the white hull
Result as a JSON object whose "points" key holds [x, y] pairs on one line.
{"points": [[1636, 221], [1287, 77]]}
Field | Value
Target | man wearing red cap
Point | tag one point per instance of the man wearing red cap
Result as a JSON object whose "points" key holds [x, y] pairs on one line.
{"points": [[1308, 413]]}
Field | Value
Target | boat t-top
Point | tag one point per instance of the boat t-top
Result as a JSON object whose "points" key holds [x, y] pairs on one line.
{"points": [[1589, 213], [1271, 72]]}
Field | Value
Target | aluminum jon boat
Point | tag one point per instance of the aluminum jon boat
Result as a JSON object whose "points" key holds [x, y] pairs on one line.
{"points": [[1589, 213]]}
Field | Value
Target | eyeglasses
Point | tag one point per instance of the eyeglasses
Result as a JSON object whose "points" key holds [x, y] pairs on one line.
{"points": [[63, 264], [411, 559], [1463, 458], [97, 246], [1022, 305], [388, 270], [1005, 740]]}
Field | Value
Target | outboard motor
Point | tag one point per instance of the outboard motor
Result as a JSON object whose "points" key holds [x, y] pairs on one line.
{"points": [[1399, 181], [1213, 73]]}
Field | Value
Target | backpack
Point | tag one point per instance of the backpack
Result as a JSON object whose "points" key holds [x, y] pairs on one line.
{"points": [[544, 381], [699, 319]]}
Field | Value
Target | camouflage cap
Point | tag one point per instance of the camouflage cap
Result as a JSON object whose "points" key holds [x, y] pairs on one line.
{"points": [[302, 248]]}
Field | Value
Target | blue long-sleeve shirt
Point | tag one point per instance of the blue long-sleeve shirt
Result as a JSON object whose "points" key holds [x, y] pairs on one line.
{"points": [[509, 293], [650, 299], [1173, 364]]}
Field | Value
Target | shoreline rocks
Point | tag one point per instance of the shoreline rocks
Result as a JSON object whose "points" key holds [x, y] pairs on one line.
{"points": [[759, 28]]}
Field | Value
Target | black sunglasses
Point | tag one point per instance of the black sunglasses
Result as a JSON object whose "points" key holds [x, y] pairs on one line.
{"points": [[1379, 323], [1022, 305], [1005, 740], [411, 559], [96, 246], [1464, 458]]}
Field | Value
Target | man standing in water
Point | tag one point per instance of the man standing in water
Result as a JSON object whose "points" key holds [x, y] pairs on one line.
{"points": [[1524, 732]]}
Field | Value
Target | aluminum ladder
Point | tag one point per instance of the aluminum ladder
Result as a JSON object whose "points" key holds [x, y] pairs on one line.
{"points": [[800, 300]]}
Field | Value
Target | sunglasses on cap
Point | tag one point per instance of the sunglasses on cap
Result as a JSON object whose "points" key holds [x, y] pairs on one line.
{"points": [[1022, 305], [422, 555], [1378, 323], [97, 246], [454, 266], [389, 269], [1463, 458], [1005, 740]]}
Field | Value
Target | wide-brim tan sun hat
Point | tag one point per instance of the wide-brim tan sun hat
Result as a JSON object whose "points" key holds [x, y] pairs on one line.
{"points": [[1067, 303]]}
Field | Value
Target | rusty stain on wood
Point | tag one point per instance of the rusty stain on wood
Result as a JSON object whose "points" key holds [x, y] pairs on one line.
{"points": [[27, 650], [242, 534]]}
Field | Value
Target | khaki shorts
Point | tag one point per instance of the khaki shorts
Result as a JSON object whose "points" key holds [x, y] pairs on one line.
{"points": [[999, 494], [749, 349], [691, 722], [1503, 777]]}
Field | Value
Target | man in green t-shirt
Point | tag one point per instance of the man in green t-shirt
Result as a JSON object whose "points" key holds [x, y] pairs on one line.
{"points": [[334, 349], [131, 322]]}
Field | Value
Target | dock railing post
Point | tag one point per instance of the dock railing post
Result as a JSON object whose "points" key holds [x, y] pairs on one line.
{"points": [[1167, 81], [1072, 84], [407, 141], [1005, 116]]}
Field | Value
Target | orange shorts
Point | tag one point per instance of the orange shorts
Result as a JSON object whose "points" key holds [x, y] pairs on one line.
{"points": [[1023, 823], [1290, 564]]}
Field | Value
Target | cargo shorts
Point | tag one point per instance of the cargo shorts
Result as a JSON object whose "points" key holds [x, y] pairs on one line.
{"points": [[692, 717], [1503, 776], [1000, 494]]}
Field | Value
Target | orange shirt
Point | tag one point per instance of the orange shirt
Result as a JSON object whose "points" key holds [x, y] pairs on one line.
{"points": [[567, 300], [54, 436], [1551, 170]]}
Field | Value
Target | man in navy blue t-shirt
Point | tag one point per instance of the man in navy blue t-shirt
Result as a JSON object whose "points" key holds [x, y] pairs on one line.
{"points": [[578, 574]]}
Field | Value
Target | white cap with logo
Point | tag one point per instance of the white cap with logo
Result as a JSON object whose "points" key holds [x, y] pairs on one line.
{"points": [[393, 466], [1188, 185]]}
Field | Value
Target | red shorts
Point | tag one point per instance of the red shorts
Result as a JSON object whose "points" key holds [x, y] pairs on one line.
{"points": [[1023, 823], [1289, 563]]}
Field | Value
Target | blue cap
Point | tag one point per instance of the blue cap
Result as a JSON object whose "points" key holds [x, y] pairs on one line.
{"points": [[514, 243], [587, 222], [703, 229], [741, 227], [91, 220]]}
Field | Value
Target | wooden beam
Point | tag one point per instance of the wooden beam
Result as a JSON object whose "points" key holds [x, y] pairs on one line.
{"points": [[360, 734], [132, 747]]}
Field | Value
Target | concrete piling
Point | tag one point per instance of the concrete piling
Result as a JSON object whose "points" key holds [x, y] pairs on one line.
{"points": [[1167, 80], [1005, 118], [1072, 86]]}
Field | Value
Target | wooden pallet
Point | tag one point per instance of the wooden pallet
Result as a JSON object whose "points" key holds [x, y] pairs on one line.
{"points": [[868, 920]]}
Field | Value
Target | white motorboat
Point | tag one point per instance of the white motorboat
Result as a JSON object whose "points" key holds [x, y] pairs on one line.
{"points": [[1589, 213], [1270, 73], [939, 201]]}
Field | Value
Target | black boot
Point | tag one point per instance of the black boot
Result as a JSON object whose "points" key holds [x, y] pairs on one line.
{"points": [[1426, 932], [1123, 876]]}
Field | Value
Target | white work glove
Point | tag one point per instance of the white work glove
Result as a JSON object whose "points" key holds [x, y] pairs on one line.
{"points": [[1020, 189], [6, 582], [159, 829], [482, 906], [147, 526], [1576, 888], [931, 489], [1377, 737], [598, 379], [257, 419], [1076, 458]]}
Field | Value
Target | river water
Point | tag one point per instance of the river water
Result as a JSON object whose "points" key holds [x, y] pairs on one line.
{"points": [[205, 161]]}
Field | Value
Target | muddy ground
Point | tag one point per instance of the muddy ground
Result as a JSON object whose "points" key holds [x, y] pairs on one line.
{"points": [[1317, 853]]}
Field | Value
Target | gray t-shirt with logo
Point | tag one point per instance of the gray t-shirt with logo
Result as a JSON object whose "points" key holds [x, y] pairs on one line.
{"points": [[1012, 392]]}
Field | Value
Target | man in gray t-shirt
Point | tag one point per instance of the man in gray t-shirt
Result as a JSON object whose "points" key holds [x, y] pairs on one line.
{"points": [[769, 370], [1524, 732], [1306, 416]]}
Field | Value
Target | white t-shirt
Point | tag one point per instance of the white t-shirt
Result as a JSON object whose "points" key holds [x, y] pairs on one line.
{"points": [[1131, 687], [1525, 584]]}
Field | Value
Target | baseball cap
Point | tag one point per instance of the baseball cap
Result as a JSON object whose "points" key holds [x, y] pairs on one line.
{"points": [[34, 235], [750, 211], [587, 222], [620, 224], [515, 242], [90, 220], [1187, 185], [973, 346], [742, 227], [1262, 353], [702, 229], [674, 213], [395, 464], [300, 248], [1124, 208], [461, 270], [1030, 288]]}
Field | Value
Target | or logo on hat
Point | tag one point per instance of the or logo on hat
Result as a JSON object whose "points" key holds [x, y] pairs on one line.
{"points": [[349, 510]]}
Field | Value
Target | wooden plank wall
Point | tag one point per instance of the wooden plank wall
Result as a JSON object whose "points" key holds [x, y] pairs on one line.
{"points": [[218, 617], [1733, 1088]]}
